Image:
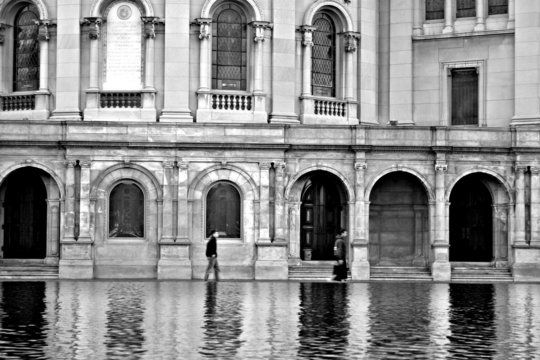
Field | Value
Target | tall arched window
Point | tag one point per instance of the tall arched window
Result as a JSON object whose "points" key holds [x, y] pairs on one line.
{"points": [[223, 210], [26, 50], [323, 58], [126, 211], [229, 49]]}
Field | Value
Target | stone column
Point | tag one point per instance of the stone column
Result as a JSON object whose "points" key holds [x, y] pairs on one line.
{"points": [[149, 91], [350, 49], [259, 28], [480, 15], [418, 18], [44, 37], [68, 60], [520, 220], [369, 58], [92, 93], [294, 229], [535, 206], [84, 212], [279, 206], [3, 28], [440, 269], [69, 215], [283, 48], [204, 61], [264, 190], [53, 235], [511, 14], [177, 52], [448, 17], [360, 263], [307, 42], [168, 197]]}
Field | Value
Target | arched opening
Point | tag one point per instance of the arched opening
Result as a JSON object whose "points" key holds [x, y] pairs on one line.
{"points": [[26, 49], [472, 227], [323, 59], [126, 211], [223, 210], [24, 201], [322, 215], [398, 222]]}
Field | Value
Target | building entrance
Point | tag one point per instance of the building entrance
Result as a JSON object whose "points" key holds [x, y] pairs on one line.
{"points": [[320, 216], [471, 228], [25, 216]]}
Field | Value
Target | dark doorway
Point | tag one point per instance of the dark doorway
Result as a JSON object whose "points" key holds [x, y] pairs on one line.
{"points": [[25, 219], [398, 222], [471, 231], [320, 215]]}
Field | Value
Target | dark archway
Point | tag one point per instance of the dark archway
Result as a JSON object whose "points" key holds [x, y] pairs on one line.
{"points": [[398, 222], [471, 221], [25, 215], [322, 214]]}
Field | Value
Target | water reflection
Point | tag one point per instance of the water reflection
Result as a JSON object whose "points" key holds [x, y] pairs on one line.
{"points": [[267, 320]]}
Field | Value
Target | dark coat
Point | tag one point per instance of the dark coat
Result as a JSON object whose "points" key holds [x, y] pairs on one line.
{"points": [[211, 247], [340, 248]]}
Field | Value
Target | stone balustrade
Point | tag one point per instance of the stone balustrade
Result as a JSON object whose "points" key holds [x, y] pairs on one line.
{"points": [[122, 99], [233, 102], [330, 107], [18, 102]]}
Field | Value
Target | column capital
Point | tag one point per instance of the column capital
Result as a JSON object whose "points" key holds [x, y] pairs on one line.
{"points": [[441, 168], [168, 164], [3, 27], [535, 170], [265, 165], [260, 27], [520, 169], [43, 29], [85, 163], [307, 34], [360, 165], [183, 165], [351, 41], [69, 163], [150, 23], [204, 32], [94, 25]]}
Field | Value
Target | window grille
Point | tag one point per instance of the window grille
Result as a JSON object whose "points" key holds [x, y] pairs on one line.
{"points": [[496, 7], [465, 8], [465, 96], [434, 9], [26, 50], [229, 45], [323, 58], [223, 210], [126, 211]]}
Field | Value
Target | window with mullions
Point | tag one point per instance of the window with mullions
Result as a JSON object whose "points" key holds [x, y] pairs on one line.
{"points": [[323, 58], [496, 7], [229, 49], [126, 211], [223, 210], [465, 8], [26, 50], [465, 96], [434, 9]]}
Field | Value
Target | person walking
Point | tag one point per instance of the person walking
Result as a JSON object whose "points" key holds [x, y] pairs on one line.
{"points": [[340, 253], [211, 254]]}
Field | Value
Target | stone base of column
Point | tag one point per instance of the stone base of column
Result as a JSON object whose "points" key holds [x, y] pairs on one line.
{"points": [[284, 118], [441, 271], [183, 116], [526, 265], [76, 269], [66, 115], [360, 268], [174, 269], [525, 120], [271, 263]]}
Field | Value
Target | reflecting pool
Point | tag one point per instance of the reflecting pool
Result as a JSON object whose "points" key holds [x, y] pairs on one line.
{"points": [[268, 320]]}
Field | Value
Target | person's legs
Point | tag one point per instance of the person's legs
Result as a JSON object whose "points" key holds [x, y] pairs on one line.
{"points": [[209, 268], [216, 269]]}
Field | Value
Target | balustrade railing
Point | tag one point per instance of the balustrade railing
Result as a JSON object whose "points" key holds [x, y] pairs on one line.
{"points": [[232, 102], [18, 102], [330, 108], [120, 100]]}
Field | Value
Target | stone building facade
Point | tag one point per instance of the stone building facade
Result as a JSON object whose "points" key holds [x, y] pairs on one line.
{"points": [[130, 128]]}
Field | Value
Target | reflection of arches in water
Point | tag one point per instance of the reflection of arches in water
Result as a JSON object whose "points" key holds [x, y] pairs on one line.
{"points": [[222, 321], [125, 317], [473, 307], [324, 320]]}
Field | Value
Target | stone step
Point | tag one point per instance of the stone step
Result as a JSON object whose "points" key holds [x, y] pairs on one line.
{"points": [[400, 273], [318, 272], [481, 274], [29, 272]]}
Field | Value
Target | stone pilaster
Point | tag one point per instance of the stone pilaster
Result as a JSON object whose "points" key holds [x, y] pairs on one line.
{"points": [[359, 245], [53, 234], [168, 198], [264, 197], [307, 46], [440, 269], [368, 74], [69, 212], [84, 204], [448, 17], [535, 206], [350, 45], [279, 206], [92, 93], [480, 15], [520, 220]]}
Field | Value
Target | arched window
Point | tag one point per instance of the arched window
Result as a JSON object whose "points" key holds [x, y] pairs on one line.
{"points": [[229, 49], [323, 58], [126, 211], [223, 210], [26, 50]]}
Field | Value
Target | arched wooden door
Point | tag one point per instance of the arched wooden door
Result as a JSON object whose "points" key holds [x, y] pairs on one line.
{"points": [[320, 216], [25, 219], [471, 219]]}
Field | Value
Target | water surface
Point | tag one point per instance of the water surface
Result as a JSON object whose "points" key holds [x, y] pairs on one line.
{"points": [[268, 320]]}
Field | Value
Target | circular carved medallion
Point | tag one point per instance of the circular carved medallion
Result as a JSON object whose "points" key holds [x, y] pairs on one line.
{"points": [[124, 12]]}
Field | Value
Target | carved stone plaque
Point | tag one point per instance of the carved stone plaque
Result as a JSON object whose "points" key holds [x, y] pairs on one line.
{"points": [[123, 48]]}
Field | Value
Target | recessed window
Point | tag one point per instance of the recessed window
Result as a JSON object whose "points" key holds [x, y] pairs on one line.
{"points": [[434, 9], [464, 96], [26, 50], [223, 210], [229, 49], [323, 58], [126, 211], [497, 7], [465, 8]]}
